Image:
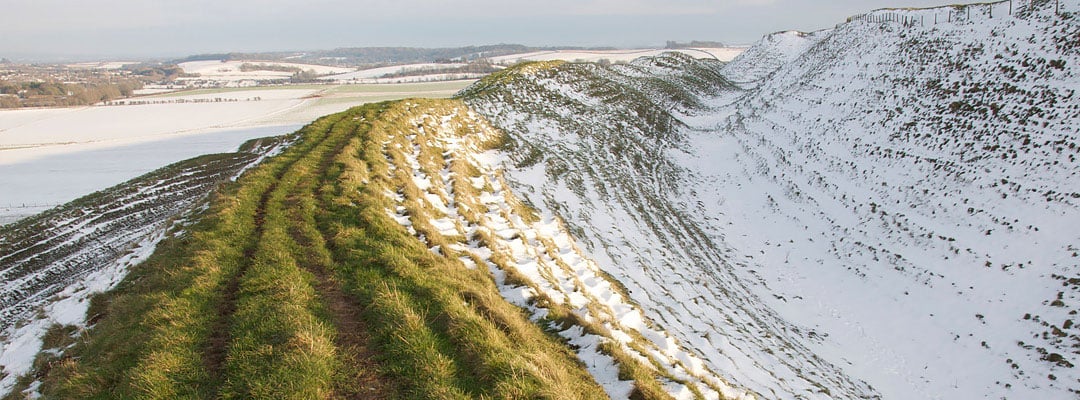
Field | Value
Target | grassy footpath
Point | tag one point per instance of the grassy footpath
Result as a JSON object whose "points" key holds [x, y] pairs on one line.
{"points": [[297, 284]]}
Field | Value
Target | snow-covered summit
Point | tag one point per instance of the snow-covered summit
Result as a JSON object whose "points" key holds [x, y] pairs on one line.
{"points": [[769, 54]]}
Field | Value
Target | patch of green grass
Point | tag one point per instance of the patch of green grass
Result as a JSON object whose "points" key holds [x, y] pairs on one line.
{"points": [[237, 307]]}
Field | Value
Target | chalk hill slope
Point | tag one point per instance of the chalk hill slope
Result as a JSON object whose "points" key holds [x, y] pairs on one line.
{"points": [[886, 208]]}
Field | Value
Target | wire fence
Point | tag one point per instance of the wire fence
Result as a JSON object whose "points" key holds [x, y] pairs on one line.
{"points": [[911, 17], [28, 206]]}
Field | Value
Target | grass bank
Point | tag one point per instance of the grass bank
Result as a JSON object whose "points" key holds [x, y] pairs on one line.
{"points": [[295, 283]]}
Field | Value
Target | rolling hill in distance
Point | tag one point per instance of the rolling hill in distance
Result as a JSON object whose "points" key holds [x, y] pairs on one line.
{"points": [[884, 209]]}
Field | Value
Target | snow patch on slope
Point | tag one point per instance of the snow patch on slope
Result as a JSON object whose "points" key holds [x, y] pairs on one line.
{"points": [[603, 167], [543, 252]]}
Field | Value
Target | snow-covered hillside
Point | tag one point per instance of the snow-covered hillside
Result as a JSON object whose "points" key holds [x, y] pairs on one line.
{"points": [[887, 208], [592, 145]]}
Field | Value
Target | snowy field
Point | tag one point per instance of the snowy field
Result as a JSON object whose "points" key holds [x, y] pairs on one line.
{"points": [[107, 65], [52, 156], [231, 70], [40, 182]]}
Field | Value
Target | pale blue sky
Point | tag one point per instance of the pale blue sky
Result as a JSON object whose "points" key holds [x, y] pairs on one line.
{"points": [[145, 28]]}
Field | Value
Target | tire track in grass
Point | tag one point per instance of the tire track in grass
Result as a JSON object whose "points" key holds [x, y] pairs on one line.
{"points": [[218, 341], [281, 343], [359, 377], [217, 347], [352, 339], [320, 345]]}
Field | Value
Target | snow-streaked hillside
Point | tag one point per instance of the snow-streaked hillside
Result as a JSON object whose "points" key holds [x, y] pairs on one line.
{"points": [[887, 208], [51, 264]]}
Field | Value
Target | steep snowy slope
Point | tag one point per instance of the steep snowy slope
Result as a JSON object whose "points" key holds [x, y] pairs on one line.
{"points": [[887, 208], [934, 167], [592, 145]]}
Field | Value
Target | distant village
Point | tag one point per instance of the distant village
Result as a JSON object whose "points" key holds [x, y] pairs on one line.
{"points": [[60, 85]]}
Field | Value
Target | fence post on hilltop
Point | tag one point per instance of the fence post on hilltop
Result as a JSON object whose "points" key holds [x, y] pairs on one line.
{"points": [[991, 10], [1010, 7]]}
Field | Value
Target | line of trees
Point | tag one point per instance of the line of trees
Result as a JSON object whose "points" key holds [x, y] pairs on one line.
{"points": [[247, 67], [471, 68]]}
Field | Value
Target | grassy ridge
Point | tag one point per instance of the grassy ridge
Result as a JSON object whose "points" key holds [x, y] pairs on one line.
{"points": [[444, 329], [297, 284]]}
